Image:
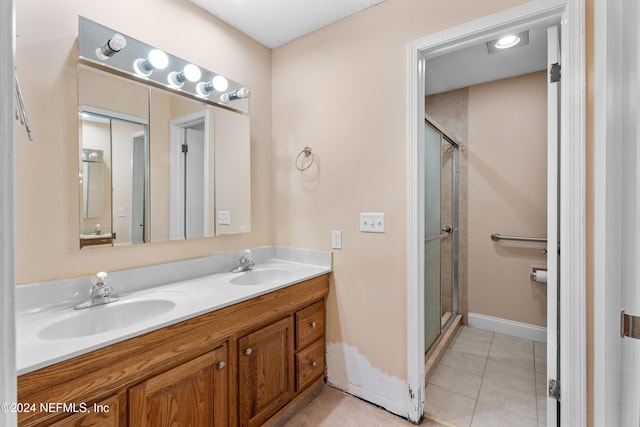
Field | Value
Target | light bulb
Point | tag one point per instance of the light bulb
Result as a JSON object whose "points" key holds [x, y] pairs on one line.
{"points": [[220, 83], [192, 72], [114, 45], [241, 93], [177, 79], [157, 59], [507, 41]]}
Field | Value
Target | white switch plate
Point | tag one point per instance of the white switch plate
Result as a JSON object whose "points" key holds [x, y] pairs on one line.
{"points": [[372, 222], [336, 239], [224, 217], [122, 212]]}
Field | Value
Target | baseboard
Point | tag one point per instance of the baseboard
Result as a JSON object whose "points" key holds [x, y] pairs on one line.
{"points": [[508, 327]]}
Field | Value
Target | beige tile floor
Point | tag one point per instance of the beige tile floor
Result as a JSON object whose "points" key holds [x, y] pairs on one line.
{"points": [[489, 379], [484, 379], [333, 408]]}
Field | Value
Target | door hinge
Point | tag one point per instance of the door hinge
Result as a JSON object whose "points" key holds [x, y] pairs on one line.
{"points": [[185, 148], [554, 73], [554, 389]]}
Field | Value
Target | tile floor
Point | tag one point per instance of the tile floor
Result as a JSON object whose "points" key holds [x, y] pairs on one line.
{"points": [[483, 379], [489, 379], [331, 407]]}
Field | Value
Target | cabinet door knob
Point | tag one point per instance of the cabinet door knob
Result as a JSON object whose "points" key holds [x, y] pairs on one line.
{"points": [[221, 366], [313, 324], [314, 363], [248, 351]]}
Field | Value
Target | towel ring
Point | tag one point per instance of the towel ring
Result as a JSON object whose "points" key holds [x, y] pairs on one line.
{"points": [[300, 164]]}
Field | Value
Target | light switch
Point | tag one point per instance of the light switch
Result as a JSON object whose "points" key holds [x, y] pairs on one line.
{"points": [[224, 217], [122, 212], [372, 222], [336, 239]]}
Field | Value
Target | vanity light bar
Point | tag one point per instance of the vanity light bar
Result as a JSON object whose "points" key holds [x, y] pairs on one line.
{"points": [[140, 61]]}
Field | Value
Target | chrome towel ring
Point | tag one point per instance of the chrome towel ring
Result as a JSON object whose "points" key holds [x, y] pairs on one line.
{"points": [[304, 163]]}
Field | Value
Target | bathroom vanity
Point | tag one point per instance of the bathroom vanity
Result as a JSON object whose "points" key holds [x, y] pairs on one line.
{"points": [[238, 365], [241, 364]]}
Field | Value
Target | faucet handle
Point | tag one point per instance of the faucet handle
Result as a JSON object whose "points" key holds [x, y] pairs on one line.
{"points": [[100, 279]]}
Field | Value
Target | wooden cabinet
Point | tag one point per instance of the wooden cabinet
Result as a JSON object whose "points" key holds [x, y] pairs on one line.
{"points": [[192, 394], [310, 347], [110, 412], [265, 371], [239, 365]]}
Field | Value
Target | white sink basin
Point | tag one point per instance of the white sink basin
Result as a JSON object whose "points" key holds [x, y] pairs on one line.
{"points": [[104, 318], [261, 276]]}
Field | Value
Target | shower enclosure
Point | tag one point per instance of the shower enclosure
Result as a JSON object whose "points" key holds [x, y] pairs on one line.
{"points": [[440, 232]]}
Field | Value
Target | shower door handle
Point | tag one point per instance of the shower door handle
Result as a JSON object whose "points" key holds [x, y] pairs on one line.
{"points": [[446, 229]]}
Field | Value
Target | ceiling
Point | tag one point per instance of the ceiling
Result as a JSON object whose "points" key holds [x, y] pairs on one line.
{"points": [[277, 22], [274, 23], [474, 65]]}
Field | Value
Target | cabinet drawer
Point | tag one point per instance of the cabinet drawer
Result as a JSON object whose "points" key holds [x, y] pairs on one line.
{"points": [[309, 324], [310, 364]]}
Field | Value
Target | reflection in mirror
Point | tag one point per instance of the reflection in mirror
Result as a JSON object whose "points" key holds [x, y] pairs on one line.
{"points": [[113, 180], [209, 166], [202, 191], [113, 137]]}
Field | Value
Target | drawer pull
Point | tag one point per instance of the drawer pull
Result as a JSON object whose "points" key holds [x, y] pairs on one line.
{"points": [[313, 324], [221, 366], [248, 351], [314, 363]]}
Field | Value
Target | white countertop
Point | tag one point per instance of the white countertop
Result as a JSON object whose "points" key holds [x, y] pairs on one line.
{"points": [[192, 297]]}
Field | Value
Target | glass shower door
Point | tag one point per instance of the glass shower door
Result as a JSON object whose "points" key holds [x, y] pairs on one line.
{"points": [[440, 221]]}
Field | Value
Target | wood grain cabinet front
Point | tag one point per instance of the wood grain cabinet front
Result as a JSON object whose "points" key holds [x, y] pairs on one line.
{"points": [[110, 412], [265, 372], [192, 394]]}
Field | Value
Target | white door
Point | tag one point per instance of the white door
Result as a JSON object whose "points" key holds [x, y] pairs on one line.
{"points": [[630, 213], [553, 243], [617, 213]]}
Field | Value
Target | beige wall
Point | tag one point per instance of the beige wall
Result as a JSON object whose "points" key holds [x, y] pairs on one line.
{"points": [[342, 92], [507, 155], [47, 171]]}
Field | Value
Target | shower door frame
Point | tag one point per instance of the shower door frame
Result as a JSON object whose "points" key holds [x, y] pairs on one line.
{"points": [[453, 234], [572, 304]]}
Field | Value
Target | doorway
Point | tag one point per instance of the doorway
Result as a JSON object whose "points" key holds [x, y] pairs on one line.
{"points": [[572, 354], [189, 171]]}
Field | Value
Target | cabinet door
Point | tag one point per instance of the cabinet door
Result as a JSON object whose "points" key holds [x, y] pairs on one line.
{"points": [[265, 371], [108, 413], [192, 394]]}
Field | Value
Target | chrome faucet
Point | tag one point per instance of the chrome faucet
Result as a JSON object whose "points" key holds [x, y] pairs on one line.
{"points": [[100, 292], [245, 262]]}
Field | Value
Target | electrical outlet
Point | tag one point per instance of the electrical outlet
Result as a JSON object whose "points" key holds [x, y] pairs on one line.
{"points": [[336, 239], [224, 217], [372, 222]]}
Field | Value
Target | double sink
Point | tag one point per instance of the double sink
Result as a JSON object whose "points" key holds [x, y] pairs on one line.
{"points": [[62, 332], [138, 308]]}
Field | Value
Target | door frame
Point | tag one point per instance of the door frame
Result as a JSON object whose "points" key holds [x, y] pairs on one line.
{"points": [[8, 380], [176, 126], [572, 304], [607, 199]]}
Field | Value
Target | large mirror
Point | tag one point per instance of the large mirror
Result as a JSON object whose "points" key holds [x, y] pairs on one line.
{"points": [[156, 165]]}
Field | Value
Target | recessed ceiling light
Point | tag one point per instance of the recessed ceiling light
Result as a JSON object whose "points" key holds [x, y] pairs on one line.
{"points": [[508, 41]]}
